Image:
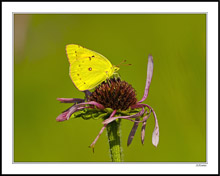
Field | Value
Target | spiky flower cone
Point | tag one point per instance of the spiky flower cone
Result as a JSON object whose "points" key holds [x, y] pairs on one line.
{"points": [[114, 94]]}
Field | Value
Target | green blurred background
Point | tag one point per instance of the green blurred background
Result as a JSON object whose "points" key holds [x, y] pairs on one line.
{"points": [[177, 93]]}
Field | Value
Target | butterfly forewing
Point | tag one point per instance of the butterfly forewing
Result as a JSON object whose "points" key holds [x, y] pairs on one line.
{"points": [[75, 52]]}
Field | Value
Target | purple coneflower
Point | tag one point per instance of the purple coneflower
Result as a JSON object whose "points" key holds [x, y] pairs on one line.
{"points": [[115, 99]]}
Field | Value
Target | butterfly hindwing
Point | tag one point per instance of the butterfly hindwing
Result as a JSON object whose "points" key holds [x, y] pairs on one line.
{"points": [[86, 75]]}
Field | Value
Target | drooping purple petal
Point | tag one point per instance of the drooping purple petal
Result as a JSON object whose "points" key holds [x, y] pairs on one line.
{"points": [[128, 118], [143, 127], [109, 120], [155, 135], [74, 109], [137, 105], [133, 131], [100, 106], [149, 77], [67, 114], [102, 129], [62, 117], [70, 100]]}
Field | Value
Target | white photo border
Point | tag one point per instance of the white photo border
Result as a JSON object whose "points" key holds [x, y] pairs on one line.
{"points": [[208, 8]]}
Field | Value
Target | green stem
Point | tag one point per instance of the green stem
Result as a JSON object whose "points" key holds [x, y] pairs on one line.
{"points": [[113, 130]]}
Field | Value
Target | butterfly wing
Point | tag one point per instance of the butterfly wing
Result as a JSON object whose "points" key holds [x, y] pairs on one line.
{"points": [[87, 68], [75, 52]]}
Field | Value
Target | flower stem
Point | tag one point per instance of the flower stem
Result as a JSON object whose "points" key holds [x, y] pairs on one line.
{"points": [[113, 130]]}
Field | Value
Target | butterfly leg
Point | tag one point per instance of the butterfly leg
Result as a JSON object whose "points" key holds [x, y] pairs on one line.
{"points": [[116, 75]]}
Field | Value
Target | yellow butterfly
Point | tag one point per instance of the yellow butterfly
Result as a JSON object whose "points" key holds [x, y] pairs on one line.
{"points": [[88, 68]]}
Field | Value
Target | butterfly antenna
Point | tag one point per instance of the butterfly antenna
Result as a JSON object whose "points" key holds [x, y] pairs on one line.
{"points": [[122, 63]]}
